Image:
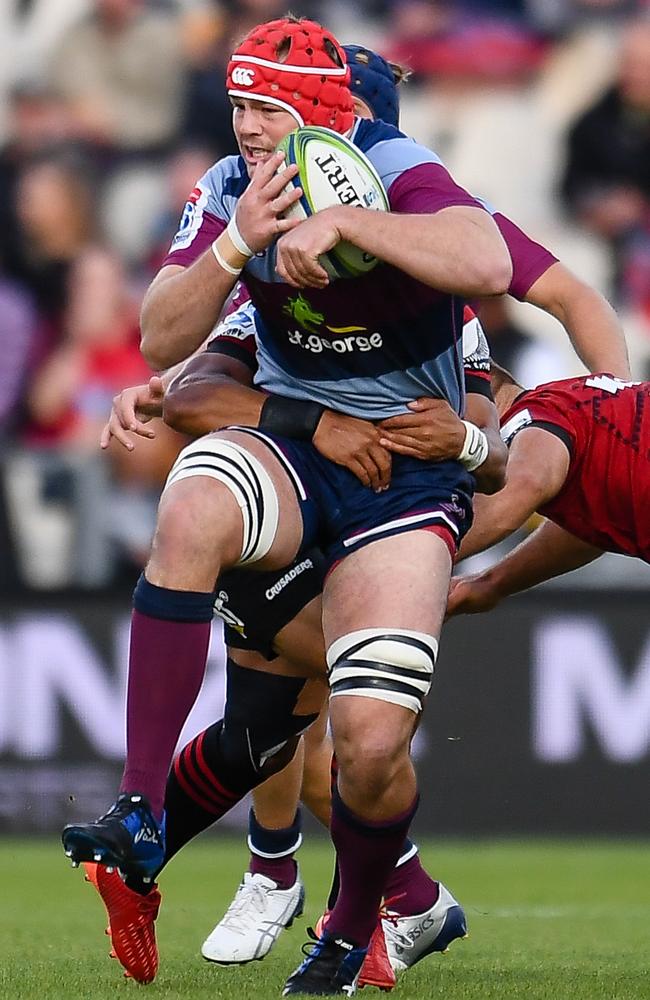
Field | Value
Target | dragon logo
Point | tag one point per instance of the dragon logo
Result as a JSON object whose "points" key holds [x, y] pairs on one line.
{"points": [[300, 310], [302, 313]]}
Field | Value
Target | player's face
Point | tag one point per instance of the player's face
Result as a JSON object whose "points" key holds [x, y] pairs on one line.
{"points": [[258, 128]]}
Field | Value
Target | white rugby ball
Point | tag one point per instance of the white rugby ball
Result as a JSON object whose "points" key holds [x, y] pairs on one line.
{"points": [[333, 171]]}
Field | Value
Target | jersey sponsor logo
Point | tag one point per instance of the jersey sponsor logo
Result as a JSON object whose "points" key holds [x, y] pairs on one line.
{"points": [[239, 325], [342, 345], [348, 338], [476, 352], [515, 424], [243, 76], [301, 311], [608, 383], [226, 615], [191, 219], [288, 577]]}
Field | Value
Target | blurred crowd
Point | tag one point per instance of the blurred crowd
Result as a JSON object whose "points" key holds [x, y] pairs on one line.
{"points": [[111, 109]]}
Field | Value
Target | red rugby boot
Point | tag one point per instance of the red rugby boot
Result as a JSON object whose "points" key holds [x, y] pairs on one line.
{"points": [[131, 919]]}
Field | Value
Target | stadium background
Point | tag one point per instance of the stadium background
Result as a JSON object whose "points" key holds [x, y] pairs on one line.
{"points": [[109, 111]]}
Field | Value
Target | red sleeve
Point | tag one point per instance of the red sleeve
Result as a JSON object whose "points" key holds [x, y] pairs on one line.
{"points": [[530, 260], [538, 408]]}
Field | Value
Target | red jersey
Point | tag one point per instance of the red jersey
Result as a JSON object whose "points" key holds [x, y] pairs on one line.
{"points": [[605, 424]]}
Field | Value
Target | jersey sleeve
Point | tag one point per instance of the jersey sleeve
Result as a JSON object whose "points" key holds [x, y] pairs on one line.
{"points": [[414, 177], [426, 189], [538, 408], [530, 260], [236, 337], [476, 356], [206, 214]]}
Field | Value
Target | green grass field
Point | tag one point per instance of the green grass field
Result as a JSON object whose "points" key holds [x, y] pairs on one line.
{"points": [[548, 921]]}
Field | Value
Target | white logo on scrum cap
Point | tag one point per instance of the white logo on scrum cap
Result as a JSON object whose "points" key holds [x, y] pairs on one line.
{"points": [[242, 76]]}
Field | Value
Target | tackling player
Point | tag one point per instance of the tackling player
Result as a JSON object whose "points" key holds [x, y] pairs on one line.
{"points": [[580, 456]]}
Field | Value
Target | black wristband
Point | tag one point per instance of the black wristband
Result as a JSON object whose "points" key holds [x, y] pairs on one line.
{"points": [[292, 418]]}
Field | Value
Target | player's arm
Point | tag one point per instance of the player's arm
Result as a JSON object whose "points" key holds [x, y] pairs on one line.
{"points": [[591, 323], [538, 464], [548, 552], [539, 278], [183, 303], [214, 391], [432, 431], [457, 250], [210, 392]]}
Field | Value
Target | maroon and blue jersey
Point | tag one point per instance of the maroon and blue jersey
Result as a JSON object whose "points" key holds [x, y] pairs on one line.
{"points": [[368, 345], [364, 346]]}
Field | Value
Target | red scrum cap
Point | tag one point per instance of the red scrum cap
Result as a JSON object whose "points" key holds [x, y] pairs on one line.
{"points": [[298, 65]]}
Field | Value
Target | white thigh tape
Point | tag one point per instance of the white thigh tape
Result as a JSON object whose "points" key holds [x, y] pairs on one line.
{"points": [[394, 665], [248, 481]]}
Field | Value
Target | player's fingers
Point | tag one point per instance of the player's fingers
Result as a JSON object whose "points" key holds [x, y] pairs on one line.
{"points": [[285, 200], [124, 409], [286, 268], [273, 181], [156, 386], [285, 225], [402, 449], [310, 271], [113, 429], [359, 471], [406, 421], [383, 462]]}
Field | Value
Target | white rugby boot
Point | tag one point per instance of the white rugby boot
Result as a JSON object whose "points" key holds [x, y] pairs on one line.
{"points": [[410, 939], [254, 920]]}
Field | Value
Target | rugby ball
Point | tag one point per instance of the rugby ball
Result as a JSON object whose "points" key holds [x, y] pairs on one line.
{"points": [[333, 171]]}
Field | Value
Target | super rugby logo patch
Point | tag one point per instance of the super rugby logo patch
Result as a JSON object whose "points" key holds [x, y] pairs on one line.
{"points": [[191, 219]]}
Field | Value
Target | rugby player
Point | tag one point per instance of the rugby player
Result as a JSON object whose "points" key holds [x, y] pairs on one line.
{"points": [[272, 625], [257, 496], [578, 455]]}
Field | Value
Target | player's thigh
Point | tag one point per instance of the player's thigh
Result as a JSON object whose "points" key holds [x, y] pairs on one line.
{"points": [[312, 698], [400, 582], [228, 500], [301, 640]]}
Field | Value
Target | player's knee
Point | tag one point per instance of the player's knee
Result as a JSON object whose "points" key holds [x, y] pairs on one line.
{"points": [[260, 731], [369, 762], [394, 666]]}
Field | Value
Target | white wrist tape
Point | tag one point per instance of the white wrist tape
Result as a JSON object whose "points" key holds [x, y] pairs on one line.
{"points": [[238, 240], [475, 447], [236, 271]]}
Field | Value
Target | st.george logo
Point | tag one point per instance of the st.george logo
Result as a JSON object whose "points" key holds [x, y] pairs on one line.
{"points": [[242, 76]]}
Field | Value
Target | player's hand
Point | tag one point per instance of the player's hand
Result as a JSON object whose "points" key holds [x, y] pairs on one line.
{"points": [[431, 431], [298, 251], [132, 410], [354, 444], [260, 209], [471, 595]]}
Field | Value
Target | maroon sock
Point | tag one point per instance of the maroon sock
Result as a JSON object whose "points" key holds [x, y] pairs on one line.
{"points": [[410, 889], [282, 871], [166, 667], [366, 853]]}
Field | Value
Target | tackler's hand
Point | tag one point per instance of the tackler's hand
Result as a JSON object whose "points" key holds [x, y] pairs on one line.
{"points": [[354, 444], [432, 431], [131, 412]]}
